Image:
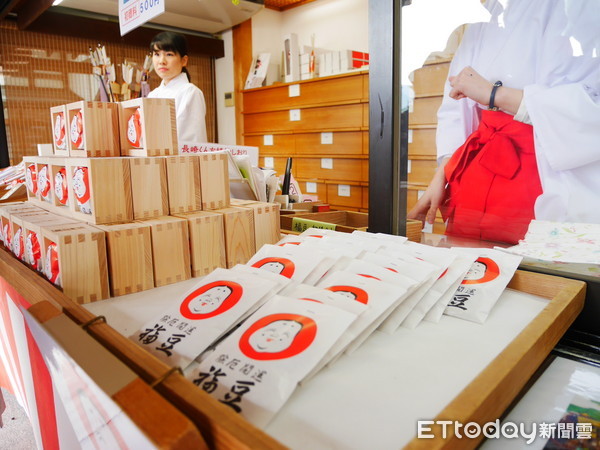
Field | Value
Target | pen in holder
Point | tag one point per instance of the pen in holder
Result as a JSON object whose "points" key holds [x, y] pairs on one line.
{"points": [[285, 189]]}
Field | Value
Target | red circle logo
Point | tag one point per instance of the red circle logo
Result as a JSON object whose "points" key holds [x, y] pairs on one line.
{"points": [[351, 292], [278, 336], [274, 264], [482, 271], [211, 299]]}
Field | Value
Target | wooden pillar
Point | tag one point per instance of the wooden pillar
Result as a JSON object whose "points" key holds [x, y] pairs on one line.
{"points": [[242, 58]]}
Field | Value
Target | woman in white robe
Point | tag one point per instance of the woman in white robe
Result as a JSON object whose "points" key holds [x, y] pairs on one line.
{"points": [[547, 55]]}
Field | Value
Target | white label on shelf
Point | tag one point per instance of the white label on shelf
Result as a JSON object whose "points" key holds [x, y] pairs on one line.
{"points": [[408, 166], [411, 105], [294, 115], [269, 164], [410, 136], [326, 163], [294, 90], [311, 187], [343, 190], [420, 194], [326, 138], [427, 228], [268, 139]]}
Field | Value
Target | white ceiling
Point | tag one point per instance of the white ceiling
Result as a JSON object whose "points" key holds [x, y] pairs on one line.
{"points": [[208, 16]]}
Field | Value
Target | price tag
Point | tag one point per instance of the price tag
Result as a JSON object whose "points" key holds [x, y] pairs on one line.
{"points": [[343, 190], [268, 139], [311, 188], [294, 90], [326, 138], [410, 135], [326, 163], [269, 164], [294, 115], [408, 166]]}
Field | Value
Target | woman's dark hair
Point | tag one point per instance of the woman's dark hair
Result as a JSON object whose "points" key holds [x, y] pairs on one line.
{"points": [[170, 41]]}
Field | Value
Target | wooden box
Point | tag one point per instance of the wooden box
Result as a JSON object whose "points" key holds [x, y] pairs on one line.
{"points": [[345, 195], [59, 186], [345, 221], [266, 221], [32, 231], [5, 223], [93, 129], [170, 249], [421, 170], [60, 135], [207, 241], [30, 163], [129, 251], [425, 110], [183, 179], [149, 187], [214, 180], [148, 127], [74, 257], [421, 141], [239, 234], [100, 189], [43, 190]]}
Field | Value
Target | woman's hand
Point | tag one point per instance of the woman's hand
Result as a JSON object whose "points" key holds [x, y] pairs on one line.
{"points": [[426, 208], [468, 83]]}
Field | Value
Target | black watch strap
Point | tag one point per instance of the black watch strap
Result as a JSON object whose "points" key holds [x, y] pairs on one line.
{"points": [[491, 106]]}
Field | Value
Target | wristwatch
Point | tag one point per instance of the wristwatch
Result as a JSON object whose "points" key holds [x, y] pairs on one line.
{"points": [[491, 105]]}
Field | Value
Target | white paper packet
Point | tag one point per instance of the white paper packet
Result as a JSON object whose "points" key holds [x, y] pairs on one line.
{"points": [[484, 283], [433, 271], [457, 271], [200, 317], [292, 261], [381, 237], [437, 290], [379, 296], [256, 368]]}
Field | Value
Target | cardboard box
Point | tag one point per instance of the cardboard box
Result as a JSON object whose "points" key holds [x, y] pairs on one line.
{"points": [[74, 258], [149, 187], [93, 129], [170, 249], [239, 234], [129, 251], [60, 136], [183, 179], [207, 241], [148, 127], [100, 189]]}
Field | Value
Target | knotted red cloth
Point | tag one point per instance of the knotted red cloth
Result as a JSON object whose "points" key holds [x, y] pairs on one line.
{"points": [[493, 181]]}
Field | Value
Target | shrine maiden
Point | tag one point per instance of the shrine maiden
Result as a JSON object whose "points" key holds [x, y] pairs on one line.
{"points": [[546, 54], [170, 57]]}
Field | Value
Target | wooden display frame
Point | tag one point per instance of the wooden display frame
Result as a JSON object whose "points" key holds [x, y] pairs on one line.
{"points": [[158, 127], [483, 400], [100, 122]]}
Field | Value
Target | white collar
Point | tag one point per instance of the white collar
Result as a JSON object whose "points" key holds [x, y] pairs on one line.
{"points": [[179, 79]]}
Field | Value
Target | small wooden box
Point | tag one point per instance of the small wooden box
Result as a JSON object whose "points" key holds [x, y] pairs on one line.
{"points": [[239, 234], [100, 189], [30, 163], [149, 187], [43, 195], [207, 241], [93, 129], [32, 231], [129, 251], [79, 251], [214, 180], [170, 249], [5, 219], [183, 179], [59, 186], [60, 133], [267, 229], [157, 131]]}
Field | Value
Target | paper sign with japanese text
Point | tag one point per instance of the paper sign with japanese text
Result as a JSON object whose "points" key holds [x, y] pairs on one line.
{"points": [[134, 13]]}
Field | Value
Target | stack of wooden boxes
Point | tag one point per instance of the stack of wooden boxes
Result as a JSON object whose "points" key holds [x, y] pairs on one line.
{"points": [[428, 85], [105, 217]]}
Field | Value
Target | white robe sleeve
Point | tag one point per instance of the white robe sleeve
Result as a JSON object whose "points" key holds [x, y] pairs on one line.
{"points": [[566, 120], [191, 115]]}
